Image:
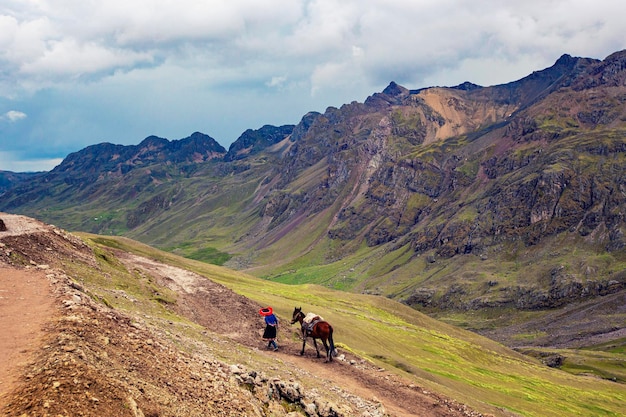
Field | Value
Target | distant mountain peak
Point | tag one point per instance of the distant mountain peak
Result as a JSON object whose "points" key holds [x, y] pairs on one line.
{"points": [[254, 141], [198, 136], [394, 90], [566, 60], [467, 86], [154, 141]]}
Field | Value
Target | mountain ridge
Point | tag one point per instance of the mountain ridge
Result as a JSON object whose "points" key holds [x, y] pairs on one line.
{"points": [[445, 198]]}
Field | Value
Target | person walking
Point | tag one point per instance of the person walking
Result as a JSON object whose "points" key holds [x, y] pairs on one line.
{"points": [[271, 327]]}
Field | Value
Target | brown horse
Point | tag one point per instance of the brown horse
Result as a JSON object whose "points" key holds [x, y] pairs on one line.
{"points": [[320, 330]]}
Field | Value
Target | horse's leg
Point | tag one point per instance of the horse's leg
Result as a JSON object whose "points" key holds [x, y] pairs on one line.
{"points": [[316, 348], [303, 343], [327, 349], [332, 349]]}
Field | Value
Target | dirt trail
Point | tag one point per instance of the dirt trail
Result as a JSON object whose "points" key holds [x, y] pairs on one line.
{"points": [[400, 397], [26, 304]]}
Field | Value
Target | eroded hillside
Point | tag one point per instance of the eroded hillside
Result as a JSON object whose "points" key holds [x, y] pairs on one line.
{"points": [[175, 344]]}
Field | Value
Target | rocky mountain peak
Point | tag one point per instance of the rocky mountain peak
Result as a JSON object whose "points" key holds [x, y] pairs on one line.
{"points": [[395, 90], [610, 72], [254, 141], [565, 60], [153, 141], [201, 140], [305, 123], [107, 159], [467, 86], [199, 136]]}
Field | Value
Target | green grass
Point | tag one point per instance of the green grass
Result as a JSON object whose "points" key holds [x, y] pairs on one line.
{"points": [[614, 346], [437, 356], [591, 362], [199, 252], [119, 287]]}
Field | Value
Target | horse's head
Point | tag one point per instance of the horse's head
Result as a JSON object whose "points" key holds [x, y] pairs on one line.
{"points": [[298, 315]]}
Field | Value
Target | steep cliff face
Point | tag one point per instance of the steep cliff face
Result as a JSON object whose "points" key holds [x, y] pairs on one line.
{"points": [[456, 170]]}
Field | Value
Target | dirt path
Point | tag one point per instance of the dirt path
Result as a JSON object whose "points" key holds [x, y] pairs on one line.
{"points": [[399, 397], [26, 304]]}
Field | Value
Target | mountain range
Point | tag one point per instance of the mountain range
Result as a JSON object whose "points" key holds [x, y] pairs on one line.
{"points": [[490, 200]]}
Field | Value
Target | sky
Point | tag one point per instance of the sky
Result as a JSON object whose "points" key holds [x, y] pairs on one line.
{"points": [[79, 72]]}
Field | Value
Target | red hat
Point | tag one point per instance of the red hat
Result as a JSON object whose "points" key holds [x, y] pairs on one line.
{"points": [[266, 311]]}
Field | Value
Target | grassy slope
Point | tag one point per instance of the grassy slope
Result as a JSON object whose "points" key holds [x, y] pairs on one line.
{"points": [[476, 275], [440, 357], [147, 304]]}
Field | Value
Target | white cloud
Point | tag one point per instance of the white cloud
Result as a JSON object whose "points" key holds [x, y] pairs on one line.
{"points": [[62, 40], [160, 58], [51, 41], [14, 115], [277, 81], [357, 52], [66, 57]]}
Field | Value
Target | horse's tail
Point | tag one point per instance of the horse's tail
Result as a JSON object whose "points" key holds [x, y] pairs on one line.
{"points": [[333, 351]]}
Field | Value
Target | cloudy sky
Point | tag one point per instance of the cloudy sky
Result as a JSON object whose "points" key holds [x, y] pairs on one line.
{"points": [[78, 72]]}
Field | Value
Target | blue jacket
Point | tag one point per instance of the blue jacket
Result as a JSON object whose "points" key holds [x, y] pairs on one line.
{"points": [[271, 320]]}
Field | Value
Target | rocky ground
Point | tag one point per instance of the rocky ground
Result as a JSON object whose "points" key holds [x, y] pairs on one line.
{"points": [[64, 354]]}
